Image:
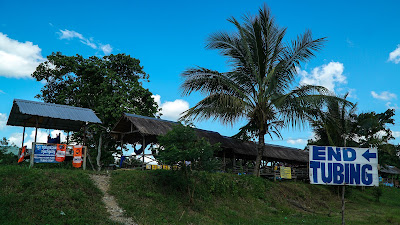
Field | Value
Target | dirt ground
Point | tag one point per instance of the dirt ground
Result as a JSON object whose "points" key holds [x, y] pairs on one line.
{"points": [[116, 213]]}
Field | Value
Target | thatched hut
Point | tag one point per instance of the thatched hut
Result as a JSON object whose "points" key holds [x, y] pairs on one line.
{"points": [[133, 129]]}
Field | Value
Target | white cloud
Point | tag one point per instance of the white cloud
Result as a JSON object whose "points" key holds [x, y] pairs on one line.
{"points": [[328, 75], [351, 92], [16, 138], [17, 59], [390, 106], [385, 95], [3, 121], [157, 99], [299, 141], [396, 134], [171, 110], [107, 49], [350, 43], [395, 55], [70, 34], [2, 92]]}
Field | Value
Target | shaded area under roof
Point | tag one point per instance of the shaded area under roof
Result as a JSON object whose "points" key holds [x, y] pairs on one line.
{"points": [[390, 169], [132, 128], [50, 116]]}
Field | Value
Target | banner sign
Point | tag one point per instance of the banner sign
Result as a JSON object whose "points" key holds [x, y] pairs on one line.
{"points": [[45, 153], [286, 172], [343, 166]]}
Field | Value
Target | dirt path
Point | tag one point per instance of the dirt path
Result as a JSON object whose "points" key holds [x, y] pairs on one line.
{"points": [[117, 214]]}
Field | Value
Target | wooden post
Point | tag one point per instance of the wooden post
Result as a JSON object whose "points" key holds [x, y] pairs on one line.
{"points": [[22, 145], [84, 158], [84, 135], [143, 146], [32, 155], [343, 190], [224, 162], [23, 137], [36, 127], [234, 163]]}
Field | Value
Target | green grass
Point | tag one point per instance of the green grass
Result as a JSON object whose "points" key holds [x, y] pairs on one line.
{"points": [[160, 197], [39, 196]]}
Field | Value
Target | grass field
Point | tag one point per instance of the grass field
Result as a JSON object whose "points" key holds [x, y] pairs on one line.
{"points": [[154, 197], [49, 196], [65, 196]]}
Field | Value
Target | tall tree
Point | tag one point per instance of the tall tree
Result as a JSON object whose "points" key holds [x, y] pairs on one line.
{"points": [[110, 86], [335, 125], [339, 125], [261, 85]]}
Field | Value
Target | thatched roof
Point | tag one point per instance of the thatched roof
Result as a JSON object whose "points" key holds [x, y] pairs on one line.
{"points": [[132, 128], [390, 169]]}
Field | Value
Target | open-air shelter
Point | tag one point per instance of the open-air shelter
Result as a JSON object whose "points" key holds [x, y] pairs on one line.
{"points": [[132, 129], [25, 113]]}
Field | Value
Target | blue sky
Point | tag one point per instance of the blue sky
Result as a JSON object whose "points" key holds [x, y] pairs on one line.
{"points": [[361, 56]]}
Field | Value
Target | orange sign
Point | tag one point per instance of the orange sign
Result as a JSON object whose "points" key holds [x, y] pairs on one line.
{"points": [[77, 160]]}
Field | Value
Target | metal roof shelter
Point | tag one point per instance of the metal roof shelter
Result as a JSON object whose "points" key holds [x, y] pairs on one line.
{"points": [[133, 128], [26, 113]]}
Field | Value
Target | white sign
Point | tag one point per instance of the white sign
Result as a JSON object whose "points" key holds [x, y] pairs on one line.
{"points": [[343, 166]]}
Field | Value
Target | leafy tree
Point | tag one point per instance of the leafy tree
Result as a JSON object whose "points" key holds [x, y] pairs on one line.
{"points": [[110, 86], [182, 147], [340, 122], [335, 125], [372, 127], [261, 86]]}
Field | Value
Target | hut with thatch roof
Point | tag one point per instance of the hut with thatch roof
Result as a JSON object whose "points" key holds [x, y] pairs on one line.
{"points": [[134, 129]]}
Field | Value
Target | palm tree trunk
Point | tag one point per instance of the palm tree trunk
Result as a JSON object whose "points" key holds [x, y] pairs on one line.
{"points": [[260, 153]]}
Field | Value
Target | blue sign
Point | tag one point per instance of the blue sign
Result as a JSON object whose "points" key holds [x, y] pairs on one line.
{"points": [[343, 166], [45, 153]]}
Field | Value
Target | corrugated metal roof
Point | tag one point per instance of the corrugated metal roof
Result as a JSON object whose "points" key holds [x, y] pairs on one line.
{"points": [[50, 116]]}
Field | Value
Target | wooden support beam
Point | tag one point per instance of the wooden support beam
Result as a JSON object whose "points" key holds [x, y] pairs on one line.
{"points": [[23, 137], [32, 155], [84, 158], [144, 147]]}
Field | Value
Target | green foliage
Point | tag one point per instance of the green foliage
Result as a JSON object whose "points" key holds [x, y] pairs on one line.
{"points": [[335, 124], [261, 87], [181, 145], [110, 86], [377, 193], [340, 122], [39, 196], [159, 197], [6, 158]]}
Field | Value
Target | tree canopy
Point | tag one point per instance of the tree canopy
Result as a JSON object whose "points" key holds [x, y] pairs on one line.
{"points": [[110, 86], [181, 145], [340, 125], [261, 86]]}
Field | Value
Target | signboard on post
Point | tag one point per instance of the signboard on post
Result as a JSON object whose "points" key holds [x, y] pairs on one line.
{"points": [[343, 166], [45, 153], [286, 172]]}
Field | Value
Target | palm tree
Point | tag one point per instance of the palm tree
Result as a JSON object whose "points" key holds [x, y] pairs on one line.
{"points": [[261, 85], [335, 125]]}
